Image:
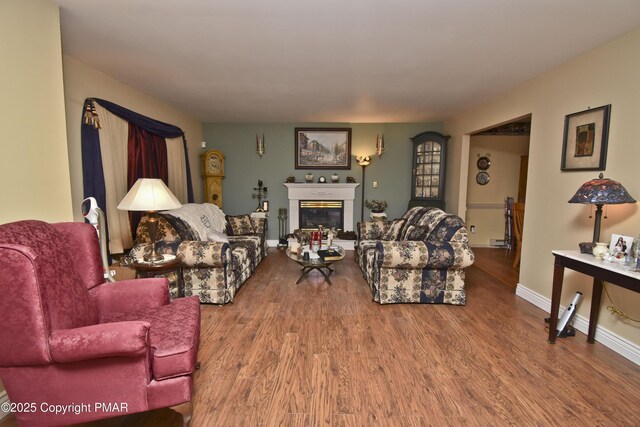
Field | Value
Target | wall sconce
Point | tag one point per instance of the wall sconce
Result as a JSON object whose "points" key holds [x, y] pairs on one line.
{"points": [[260, 145], [380, 145]]}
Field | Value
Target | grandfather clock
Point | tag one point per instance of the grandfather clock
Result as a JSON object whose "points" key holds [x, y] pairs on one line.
{"points": [[212, 173]]}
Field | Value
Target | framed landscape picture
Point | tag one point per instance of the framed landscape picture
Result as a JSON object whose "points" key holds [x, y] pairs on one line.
{"points": [[323, 148], [584, 146]]}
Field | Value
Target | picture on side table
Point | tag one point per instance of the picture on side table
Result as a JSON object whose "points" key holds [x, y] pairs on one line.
{"points": [[323, 148], [586, 134], [620, 246]]}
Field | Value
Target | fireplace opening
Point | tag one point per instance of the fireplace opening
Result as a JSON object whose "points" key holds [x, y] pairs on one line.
{"points": [[328, 213]]}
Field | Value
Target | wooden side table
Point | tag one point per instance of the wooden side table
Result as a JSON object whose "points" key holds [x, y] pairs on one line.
{"points": [[610, 272], [169, 264]]}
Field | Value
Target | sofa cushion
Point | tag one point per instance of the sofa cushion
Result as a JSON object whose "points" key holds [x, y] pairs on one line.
{"points": [[416, 232], [393, 232], [174, 335], [239, 224]]}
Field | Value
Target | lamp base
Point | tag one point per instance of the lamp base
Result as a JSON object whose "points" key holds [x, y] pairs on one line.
{"points": [[153, 257], [586, 247], [152, 227]]}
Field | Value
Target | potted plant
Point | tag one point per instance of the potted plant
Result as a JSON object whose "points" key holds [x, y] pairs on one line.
{"points": [[376, 206]]}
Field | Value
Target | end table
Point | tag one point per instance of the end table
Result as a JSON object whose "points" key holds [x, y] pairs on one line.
{"points": [[169, 264]]}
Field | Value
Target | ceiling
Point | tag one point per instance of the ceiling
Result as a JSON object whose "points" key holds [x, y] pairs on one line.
{"points": [[358, 61]]}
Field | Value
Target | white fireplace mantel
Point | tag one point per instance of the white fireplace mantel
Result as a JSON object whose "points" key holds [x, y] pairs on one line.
{"points": [[328, 191]]}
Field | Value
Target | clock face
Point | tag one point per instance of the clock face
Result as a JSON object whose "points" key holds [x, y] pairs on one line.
{"points": [[322, 180], [483, 163], [482, 178], [214, 165]]}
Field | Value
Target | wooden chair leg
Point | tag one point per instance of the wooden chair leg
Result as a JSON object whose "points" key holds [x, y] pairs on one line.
{"points": [[516, 261], [186, 410]]}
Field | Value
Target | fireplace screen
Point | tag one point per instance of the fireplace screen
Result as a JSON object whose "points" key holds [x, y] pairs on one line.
{"points": [[328, 213]]}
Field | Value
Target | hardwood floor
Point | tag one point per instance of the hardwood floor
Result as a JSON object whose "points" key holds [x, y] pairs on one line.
{"points": [[314, 354], [498, 263]]}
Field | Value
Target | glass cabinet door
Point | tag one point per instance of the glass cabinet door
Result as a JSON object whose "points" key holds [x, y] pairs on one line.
{"points": [[427, 187]]}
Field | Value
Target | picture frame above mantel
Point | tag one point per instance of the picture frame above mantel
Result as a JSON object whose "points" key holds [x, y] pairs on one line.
{"points": [[323, 148], [586, 135]]}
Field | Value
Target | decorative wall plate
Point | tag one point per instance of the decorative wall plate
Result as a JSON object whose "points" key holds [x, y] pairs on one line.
{"points": [[483, 163], [482, 178]]}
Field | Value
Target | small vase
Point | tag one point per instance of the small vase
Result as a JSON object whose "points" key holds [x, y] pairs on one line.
{"points": [[308, 177], [335, 178], [599, 250]]}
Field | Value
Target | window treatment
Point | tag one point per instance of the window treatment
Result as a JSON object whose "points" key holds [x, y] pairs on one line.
{"points": [[118, 147]]}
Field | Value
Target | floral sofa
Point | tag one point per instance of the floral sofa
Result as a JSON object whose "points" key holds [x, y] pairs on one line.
{"points": [[218, 252], [419, 258]]}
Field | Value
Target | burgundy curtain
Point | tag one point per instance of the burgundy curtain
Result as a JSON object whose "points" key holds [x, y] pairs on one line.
{"points": [[147, 158]]}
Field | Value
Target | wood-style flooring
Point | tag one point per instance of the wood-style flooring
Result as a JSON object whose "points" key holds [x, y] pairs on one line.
{"points": [[314, 354]]}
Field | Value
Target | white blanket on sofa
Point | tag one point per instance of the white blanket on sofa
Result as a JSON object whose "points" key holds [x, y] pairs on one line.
{"points": [[201, 217]]}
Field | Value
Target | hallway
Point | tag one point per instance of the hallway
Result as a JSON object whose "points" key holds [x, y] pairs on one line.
{"points": [[498, 262]]}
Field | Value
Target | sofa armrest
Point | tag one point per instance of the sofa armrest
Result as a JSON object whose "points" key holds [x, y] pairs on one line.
{"points": [[450, 254], [372, 230], [204, 254], [119, 339], [402, 254], [128, 296]]}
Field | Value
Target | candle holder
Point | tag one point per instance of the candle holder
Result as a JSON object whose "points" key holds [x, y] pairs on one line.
{"points": [[260, 193], [260, 145]]}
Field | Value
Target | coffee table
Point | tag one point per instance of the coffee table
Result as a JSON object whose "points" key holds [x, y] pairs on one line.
{"points": [[316, 264]]}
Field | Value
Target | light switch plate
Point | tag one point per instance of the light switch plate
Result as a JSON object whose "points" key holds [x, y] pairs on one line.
{"points": [[375, 184]]}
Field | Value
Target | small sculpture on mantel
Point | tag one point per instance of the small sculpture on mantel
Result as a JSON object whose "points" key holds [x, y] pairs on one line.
{"points": [[260, 193]]}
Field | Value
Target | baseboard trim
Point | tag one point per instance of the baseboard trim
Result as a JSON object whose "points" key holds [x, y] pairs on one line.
{"points": [[3, 398], [620, 345]]}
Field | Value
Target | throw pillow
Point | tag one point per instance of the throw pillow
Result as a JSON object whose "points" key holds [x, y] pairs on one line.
{"points": [[416, 232], [215, 236], [239, 225], [393, 232]]}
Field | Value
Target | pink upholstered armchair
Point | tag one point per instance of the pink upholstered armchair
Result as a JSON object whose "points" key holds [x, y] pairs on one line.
{"points": [[72, 344]]}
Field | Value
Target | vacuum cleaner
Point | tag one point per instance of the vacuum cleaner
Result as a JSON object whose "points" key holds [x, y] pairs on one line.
{"points": [[92, 213], [565, 328]]}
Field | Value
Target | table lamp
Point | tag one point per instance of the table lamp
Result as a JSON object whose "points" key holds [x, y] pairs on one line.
{"points": [[150, 195], [601, 191]]}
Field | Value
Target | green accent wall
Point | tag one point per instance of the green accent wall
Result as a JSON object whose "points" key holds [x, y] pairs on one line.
{"points": [[243, 167]]}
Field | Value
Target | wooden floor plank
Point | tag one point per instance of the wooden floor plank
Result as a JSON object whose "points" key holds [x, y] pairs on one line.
{"points": [[315, 354]]}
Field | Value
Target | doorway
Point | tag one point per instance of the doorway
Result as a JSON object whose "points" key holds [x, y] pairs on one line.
{"points": [[497, 181]]}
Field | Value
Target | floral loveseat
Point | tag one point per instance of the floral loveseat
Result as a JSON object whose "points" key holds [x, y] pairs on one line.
{"points": [[419, 258], [218, 252]]}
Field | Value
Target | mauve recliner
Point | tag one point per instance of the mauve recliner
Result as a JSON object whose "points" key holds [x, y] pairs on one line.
{"points": [[74, 348]]}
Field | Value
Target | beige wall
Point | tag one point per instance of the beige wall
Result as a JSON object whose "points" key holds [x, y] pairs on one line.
{"points": [[81, 82], [607, 75], [34, 167], [485, 203]]}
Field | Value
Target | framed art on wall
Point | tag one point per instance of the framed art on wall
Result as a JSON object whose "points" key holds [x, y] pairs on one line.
{"points": [[586, 133], [323, 148]]}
